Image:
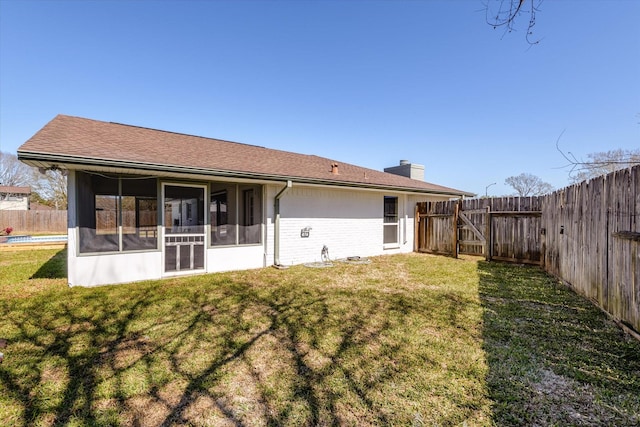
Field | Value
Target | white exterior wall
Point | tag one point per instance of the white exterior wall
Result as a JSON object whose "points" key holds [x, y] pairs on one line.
{"points": [[22, 204], [125, 267], [111, 268], [348, 221], [231, 258]]}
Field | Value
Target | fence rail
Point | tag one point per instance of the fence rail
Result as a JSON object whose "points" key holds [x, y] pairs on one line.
{"points": [[34, 221]]}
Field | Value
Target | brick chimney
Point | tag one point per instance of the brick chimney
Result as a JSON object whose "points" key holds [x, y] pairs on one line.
{"points": [[334, 168]]}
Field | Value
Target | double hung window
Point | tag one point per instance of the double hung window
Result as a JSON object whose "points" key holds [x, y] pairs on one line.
{"points": [[390, 223]]}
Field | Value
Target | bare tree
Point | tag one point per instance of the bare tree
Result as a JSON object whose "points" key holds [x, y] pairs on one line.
{"points": [[597, 164], [13, 172], [51, 187], [603, 163], [527, 184], [505, 14]]}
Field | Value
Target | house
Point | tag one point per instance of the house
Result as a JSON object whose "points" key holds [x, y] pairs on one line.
{"points": [[14, 198], [146, 204]]}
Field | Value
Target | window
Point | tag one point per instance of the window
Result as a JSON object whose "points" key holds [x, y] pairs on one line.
{"points": [[390, 223], [236, 214], [139, 203], [116, 213], [222, 210], [250, 208]]}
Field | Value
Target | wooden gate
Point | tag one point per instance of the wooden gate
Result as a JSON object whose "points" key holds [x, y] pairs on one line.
{"points": [[436, 224], [504, 229]]}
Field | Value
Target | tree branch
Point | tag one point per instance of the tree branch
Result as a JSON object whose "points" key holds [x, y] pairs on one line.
{"points": [[600, 163], [507, 14]]}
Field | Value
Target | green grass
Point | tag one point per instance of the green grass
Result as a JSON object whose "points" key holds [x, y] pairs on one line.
{"points": [[406, 340]]}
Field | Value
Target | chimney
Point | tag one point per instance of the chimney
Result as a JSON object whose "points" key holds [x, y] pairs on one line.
{"points": [[408, 169], [334, 168]]}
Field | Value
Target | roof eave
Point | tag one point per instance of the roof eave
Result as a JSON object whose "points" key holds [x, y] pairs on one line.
{"points": [[51, 160]]}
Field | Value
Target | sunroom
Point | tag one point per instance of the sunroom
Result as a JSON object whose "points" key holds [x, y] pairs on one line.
{"points": [[119, 214]]}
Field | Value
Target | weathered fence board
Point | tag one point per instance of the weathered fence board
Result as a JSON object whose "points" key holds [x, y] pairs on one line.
{"points": [[587, 246], [34, 221], [516, 236], [437, 227], [587, 229], [515, 229]]}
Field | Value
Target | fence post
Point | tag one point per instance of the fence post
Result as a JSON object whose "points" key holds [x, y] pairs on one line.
{"points": [[455, 229], [488, 241]]}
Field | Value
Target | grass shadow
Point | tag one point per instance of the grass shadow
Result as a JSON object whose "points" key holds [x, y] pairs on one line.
{"points": [[553, 357], [54, 268]]}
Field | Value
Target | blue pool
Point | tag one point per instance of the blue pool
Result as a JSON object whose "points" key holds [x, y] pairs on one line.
{"points": [[35, 239]]}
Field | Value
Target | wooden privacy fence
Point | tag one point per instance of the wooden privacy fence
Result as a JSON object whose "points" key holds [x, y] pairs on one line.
{"points": [[505, 229], [592, 238], [34, 221], [586, 234]]}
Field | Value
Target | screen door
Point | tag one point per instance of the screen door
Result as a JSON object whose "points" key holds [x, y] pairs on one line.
{"points": [[184, 228]]}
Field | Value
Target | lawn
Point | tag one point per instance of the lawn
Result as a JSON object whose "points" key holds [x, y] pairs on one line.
{"points": [[405, 340]]}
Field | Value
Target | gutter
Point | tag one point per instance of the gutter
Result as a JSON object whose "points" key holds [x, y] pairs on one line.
{"points": [[32, 157], [276, 225]]}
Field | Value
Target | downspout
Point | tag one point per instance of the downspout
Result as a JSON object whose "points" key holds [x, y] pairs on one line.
{"points": [[276, 225]]}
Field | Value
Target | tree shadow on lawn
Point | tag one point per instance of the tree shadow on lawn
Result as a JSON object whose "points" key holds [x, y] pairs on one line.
{"points": [[226, 352], [289, 331], [554, 358]]}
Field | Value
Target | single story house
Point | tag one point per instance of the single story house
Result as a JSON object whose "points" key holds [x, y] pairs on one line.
{"points": [[146, 204], [13, 198]]}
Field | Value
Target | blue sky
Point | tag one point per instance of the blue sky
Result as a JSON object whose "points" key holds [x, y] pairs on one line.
{"points": [[362, 82]]}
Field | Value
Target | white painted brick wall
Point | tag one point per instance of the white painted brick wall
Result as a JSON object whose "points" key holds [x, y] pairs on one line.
{"points": [[348, 221]]}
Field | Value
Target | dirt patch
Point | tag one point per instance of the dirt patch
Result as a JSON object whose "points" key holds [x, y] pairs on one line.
{"points": [[560, 400]]}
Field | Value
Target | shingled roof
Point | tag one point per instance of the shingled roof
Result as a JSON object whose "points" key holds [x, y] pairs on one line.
{"points": [[75, 142]]}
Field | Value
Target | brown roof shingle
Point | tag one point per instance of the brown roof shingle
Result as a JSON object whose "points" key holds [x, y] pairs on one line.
{"points": [[75, 140]]}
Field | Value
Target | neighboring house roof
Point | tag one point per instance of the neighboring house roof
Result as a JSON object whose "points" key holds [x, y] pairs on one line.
{"points": [[10, 189], [76, 142]]}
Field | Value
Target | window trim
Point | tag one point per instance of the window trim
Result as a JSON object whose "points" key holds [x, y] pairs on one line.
{"points": [[396, 224]]}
